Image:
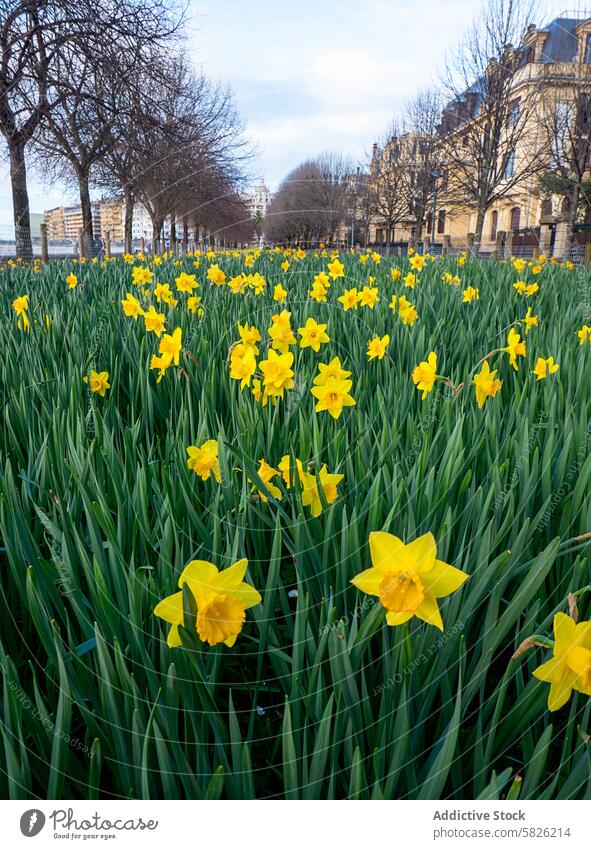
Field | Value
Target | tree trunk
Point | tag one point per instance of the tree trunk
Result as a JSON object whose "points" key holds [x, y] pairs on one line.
{"points": [[478, 230], [87, 231], [20, 200], [573, 207], [157, 225], [185, 234], [388, 240], [128, 225], [173, 233]]}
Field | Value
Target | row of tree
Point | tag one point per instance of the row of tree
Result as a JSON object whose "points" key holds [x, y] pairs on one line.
{"points": [[488, 131], [98, 92]]}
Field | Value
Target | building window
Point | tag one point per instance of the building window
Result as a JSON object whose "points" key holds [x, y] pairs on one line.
{"points": [[441, 221], [510, 166], [513, 116], [494, 221], [514, 220], [588, 50]]}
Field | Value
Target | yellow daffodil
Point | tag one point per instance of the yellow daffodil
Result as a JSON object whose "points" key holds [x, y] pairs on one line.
{"points": [[203, 460], [131, 306], [289, 469], [98, 382], [543, 367], [584, 334], [332, 396], [349, 299], [154, 321], [279, 293], [530, 321], [194, 304], [407, 578], [186, 282], [72, 281], [330, 371], [312, 487], [216, 275], [336, 269], [424, 375], [485, 384], [470, 294], [266, 474], [277, 373], [222, 599], [313, 335], [242, 363], [515, 347], [570, 666], [368, 297], [377, 347], [141, 276]]}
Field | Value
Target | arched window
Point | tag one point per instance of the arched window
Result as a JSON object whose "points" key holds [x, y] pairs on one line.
{"points": [[441, 221], [514, 220], [494, 222], [546, 211]]}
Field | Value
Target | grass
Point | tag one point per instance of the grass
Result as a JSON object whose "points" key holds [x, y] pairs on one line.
{"points": [[319, 698]]}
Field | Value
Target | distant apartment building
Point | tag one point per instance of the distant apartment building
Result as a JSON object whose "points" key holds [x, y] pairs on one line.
{"points": [[112, 219], [64, 223], [550, 105], [259, 200], [108, 216]]}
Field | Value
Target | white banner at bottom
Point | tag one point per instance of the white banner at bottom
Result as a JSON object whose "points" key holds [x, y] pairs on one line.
{"points": [[269, 824]]}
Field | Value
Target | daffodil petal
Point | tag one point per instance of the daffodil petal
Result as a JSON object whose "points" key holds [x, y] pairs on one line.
{"points": [[368, 581], [443, 579], [233, 576], [564, 633], [200, 572], [248, 595], [170, 609], [388, 553], [549, 671], [393, 618], [428, 611], [173, 639], [421, 552], [560, 691]]}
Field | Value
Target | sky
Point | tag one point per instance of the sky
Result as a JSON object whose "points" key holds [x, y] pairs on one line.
{"points": [[308, 75]]}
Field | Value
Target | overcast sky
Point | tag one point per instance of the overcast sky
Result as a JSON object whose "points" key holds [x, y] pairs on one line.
{"points": [[309, 75]]}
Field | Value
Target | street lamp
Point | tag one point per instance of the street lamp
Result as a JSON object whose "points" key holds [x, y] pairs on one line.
{"points": [[436, 174]]}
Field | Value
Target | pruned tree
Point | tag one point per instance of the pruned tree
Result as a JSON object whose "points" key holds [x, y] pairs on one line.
{"points": [[489, 140], [312, 202]]}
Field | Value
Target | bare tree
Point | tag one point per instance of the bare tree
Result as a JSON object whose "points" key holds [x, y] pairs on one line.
{"points": [[422, 152], [188, 149], [387, 180], [486, 127], [34, 34], [312, 202], [565, 124]]}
